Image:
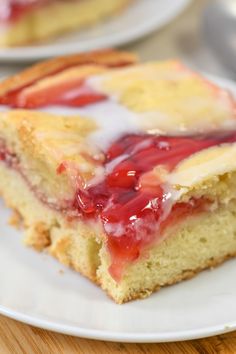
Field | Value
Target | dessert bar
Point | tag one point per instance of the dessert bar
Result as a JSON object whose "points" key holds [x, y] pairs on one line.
{"points": [[125, 171]]}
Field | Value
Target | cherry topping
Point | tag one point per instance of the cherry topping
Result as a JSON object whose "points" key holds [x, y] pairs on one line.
{"points": [[73, 93], [135, 214]]}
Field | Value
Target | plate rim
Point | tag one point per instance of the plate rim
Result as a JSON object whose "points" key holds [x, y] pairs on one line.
{"points": [[119, 336], [31, 53]]}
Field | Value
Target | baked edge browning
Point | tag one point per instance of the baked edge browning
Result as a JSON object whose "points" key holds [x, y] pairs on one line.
{"points": [[109, 57]]}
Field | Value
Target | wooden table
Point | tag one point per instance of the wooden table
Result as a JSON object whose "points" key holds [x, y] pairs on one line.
{"points": [[179, 39], [17, 338]]}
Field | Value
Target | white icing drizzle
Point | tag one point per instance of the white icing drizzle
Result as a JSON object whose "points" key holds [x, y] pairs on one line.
{"points": [[113, 120]]}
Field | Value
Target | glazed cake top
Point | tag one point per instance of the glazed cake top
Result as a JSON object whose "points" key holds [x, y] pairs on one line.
{"points": [[164, 98]]}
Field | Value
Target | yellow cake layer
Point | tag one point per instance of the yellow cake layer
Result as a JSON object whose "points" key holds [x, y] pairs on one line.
{"points": [[56, 18]]}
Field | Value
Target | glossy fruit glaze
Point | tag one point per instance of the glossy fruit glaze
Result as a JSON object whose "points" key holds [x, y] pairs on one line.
{"points": [[135, 205], [74, 93]]}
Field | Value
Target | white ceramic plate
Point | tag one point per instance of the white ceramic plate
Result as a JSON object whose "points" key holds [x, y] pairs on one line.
{"points": [[142, 17], [34, 291]]}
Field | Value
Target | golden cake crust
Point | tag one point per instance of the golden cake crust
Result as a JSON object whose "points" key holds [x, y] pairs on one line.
{"points": [[107, 58]]}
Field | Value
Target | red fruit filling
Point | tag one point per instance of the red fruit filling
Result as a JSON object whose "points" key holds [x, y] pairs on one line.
{"points": [[134, 214], [73, 93]]}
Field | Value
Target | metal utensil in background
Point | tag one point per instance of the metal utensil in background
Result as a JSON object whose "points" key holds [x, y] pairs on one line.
{"points": [[219, 31]]}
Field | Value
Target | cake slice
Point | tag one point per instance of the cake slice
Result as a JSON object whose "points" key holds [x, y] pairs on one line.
{"points": [[26, 21], [127, 174]]}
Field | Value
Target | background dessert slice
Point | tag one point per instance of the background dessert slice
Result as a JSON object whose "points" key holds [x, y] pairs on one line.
{"points": [[27, 21]]}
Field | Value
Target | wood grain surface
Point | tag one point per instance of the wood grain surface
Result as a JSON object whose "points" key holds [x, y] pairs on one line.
{"points": [[18, 338], [182, 38]]}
